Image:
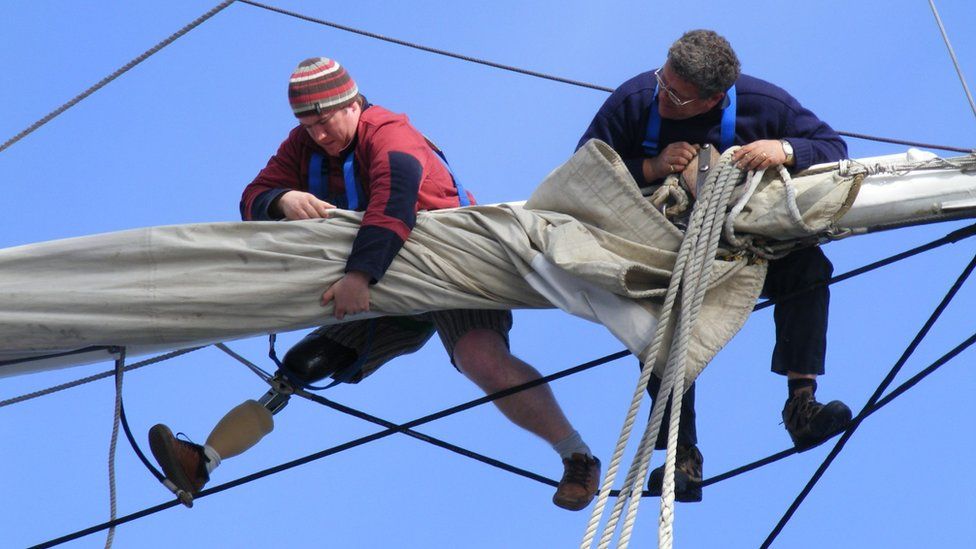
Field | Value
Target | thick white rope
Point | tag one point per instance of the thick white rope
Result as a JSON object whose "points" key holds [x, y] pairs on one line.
{"points": [[729, 234], [701, 246], [657, 413], [693, 275], [789, 198], [794, 210], [696, 281]]}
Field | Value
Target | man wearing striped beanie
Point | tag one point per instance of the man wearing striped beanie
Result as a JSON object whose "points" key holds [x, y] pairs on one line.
{"points": [[346, 153]]}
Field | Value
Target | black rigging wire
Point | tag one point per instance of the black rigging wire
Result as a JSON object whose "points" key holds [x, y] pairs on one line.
{"points": [[346, 446], [914, 380], [537, 74], [901, 389], [951, 238], [423, 437], [102, 375], [124, 68], [871, 401], [874, 403], [397, 41]]}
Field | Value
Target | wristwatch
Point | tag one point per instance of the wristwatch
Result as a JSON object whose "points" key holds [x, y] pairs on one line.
{"points": [[788, 149]]}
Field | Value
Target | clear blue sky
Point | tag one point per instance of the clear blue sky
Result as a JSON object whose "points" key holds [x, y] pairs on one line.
{"points": [[176, 139]]}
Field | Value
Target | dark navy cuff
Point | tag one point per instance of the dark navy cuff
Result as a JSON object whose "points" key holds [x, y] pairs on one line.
{"points": [[636, 168], [265, 208], [373, 251]]}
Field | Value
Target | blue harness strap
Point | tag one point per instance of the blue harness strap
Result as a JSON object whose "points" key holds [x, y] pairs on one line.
{"points": [[318, 182], [652, 135], [728, 120], [352, 184], [462, 194], [315, 178]]}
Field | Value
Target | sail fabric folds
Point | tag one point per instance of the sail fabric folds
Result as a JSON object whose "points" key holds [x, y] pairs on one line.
{"points": [[586, 242]]}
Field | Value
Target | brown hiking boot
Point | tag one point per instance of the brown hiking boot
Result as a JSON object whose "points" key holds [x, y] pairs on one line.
{"points": [[581, 474], [183, 463], [809, 422], [687, 476]]}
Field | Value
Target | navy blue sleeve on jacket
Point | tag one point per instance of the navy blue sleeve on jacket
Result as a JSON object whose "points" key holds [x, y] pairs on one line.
{"points": [[383, 232], [261, 206], [813, 141], [621, 123]]}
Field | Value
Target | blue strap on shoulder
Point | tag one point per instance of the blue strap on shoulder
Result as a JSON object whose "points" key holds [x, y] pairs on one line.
{"points": [[728, 120], [352, 185], [350, 201], [315, 185], [653, 133], [462, 194]]}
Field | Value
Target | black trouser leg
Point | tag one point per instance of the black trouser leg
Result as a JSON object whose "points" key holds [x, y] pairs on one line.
{"points": [[801, 321], [687, 432]]}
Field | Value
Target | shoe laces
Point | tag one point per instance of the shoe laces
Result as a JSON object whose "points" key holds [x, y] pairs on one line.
{"points": [[800, 409], [182, 437], [689, 460], [578, 470]]}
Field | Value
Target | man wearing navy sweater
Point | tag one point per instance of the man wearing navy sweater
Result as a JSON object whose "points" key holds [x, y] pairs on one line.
{"points": [[656, 122]]}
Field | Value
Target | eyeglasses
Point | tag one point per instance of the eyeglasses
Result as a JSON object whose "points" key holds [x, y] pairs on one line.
{"points": [[671, 95]]}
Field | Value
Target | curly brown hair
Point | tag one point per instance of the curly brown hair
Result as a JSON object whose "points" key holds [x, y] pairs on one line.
{"points": [[706, 59]]}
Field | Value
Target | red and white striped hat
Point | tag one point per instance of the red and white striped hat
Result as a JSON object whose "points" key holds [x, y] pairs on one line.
{"points": [[320, 85]]}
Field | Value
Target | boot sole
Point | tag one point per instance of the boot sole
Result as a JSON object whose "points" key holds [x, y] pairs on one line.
{"points": [[840, 418], [161, 444], [572, 504]]}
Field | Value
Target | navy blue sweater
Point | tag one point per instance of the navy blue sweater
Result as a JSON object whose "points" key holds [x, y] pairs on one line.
{"points": [[764, 111]]}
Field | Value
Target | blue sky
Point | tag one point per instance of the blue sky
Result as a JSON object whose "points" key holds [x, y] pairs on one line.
{"points": [[177, 138]]}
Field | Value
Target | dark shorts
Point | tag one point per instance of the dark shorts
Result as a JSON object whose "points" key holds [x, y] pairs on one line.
{"points": [[385, 338]]}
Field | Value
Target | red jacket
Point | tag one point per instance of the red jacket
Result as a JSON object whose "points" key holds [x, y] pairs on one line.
{"points": [[398, 171]]}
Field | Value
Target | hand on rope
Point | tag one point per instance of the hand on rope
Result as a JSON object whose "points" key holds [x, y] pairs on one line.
{"points": [[673, 159], [760, 155], [350, 293], [295, 205]]}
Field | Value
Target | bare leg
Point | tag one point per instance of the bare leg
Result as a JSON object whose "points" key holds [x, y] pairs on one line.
{"points": [[483, 357]]}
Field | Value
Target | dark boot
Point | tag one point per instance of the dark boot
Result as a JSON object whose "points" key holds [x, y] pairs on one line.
{"points": [[687, 476], [809, 422]]}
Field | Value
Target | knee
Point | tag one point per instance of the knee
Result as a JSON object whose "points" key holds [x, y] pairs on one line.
{"points": [[480, 354], [315, 358]]}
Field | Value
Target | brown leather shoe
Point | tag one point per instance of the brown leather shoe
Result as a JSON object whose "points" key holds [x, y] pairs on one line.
{"points": [[183, 463], [581, 475]]}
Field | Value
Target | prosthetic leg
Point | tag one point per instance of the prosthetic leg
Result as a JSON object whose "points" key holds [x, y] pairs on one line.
{"points": [[312, 359], [187, 466]]}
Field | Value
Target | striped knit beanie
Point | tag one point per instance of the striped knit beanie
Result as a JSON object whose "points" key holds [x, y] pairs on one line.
{"points": [[320, 85]]}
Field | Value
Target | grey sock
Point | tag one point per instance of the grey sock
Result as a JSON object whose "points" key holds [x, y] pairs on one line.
{"points": [[573, 444]]}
